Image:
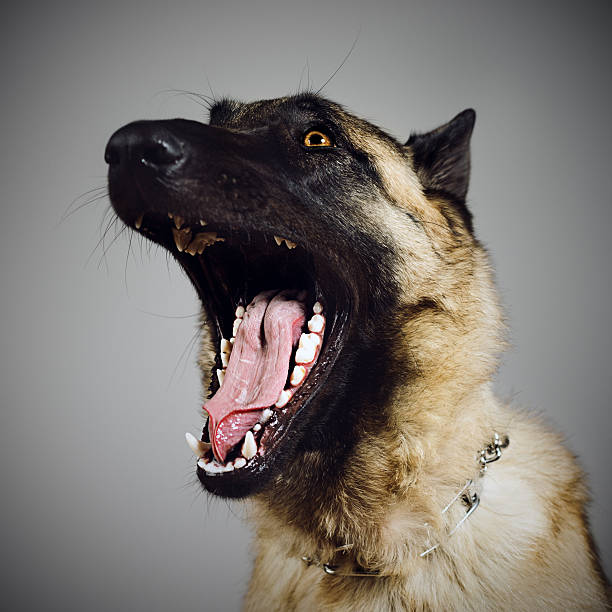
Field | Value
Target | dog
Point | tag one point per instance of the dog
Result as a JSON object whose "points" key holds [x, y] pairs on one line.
{"points": [[351, 331]]}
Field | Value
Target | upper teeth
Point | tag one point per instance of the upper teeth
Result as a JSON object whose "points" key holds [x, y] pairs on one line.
{"points": [[201, 241], [182, 237], [184, 242], [289, 243]]}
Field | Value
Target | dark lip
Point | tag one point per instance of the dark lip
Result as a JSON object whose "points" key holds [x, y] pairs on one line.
{"points": [[279, 433]]}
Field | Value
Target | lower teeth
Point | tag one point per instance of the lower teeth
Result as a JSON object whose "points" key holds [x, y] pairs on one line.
{"points": [[316, 326]]}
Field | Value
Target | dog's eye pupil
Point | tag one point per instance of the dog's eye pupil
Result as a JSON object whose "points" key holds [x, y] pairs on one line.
{"points": [[314, 138]]}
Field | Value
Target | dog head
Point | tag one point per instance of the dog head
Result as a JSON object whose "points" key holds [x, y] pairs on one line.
{"points": [[305, 228]]}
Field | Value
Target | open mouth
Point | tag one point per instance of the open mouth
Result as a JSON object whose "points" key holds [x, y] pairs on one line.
{"points": [[277, 312], [277, 292]]}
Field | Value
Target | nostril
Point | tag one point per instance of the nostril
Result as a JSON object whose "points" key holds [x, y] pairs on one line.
{"points": [[160, 152], [143, 143]]}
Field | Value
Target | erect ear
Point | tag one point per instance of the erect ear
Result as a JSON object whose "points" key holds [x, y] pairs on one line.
{"points": [[442, 156]]}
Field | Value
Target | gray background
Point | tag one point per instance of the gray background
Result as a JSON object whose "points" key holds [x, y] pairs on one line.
{"points": [[99, 507]]}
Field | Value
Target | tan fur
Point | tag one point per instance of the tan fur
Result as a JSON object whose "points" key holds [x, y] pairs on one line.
{"points": [[526, 547]]}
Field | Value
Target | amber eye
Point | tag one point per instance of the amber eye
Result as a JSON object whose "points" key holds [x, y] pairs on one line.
{"points": [[314, 138]]}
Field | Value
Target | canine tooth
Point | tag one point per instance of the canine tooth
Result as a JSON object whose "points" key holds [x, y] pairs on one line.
{"points": [[202, 222], [237, 323], [283, 398], [240, 312], [316, 324], [178, 221], [232, 340], [198, 447], [138, 222], [317, 308], [239, 463], [220, 376], [225, 359], [298, 375], [278, 240], [249, 447], [266, 414], [257, 427], [182, 237]]}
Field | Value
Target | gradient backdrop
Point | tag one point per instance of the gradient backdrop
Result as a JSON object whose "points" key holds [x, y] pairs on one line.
{"points": [[99, 506]]}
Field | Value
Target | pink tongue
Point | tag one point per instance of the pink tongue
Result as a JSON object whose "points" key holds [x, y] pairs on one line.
{"points": [[257, 369]]}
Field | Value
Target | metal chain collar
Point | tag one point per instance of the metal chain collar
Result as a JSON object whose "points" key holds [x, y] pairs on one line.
{"points": [[468, 496]]}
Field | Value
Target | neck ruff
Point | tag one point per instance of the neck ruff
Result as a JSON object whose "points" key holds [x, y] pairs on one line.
{"points": [[469, 495]]}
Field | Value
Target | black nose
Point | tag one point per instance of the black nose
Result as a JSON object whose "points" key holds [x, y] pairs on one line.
{"points": [[144, 143]]}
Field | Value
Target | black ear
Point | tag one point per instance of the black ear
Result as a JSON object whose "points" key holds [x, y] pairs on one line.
{"points": [[442, 156]]}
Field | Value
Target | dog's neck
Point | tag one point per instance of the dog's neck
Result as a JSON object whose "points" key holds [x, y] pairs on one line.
{"points": [[387, 501], [468, 495]]}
